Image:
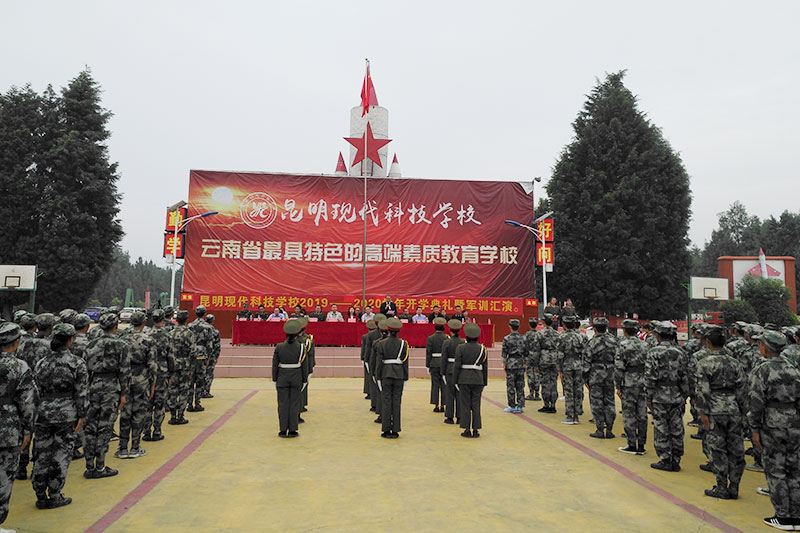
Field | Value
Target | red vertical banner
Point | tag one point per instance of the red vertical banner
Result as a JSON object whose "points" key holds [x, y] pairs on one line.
{"points": [[546, 227], [170, 245], [175, 216], [544, 253]]}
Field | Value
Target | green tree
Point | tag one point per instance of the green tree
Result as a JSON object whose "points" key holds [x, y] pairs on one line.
{"points": [[735, 310], [622, 205], [738, 234], [140, 276], [71, 201], [769, 298]]}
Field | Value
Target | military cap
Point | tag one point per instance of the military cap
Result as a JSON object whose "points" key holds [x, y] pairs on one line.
{"points": [[570, 320], [64, 330], [108, 321], [440, 321], [753, 330], [741, 325], [9, 332], [114, 309], [19, 314], [382, 325], [200, 310], [472, 331], [28, 321], [514, 323], [710, 329], [648, 326], [664, 326], [303, 321], [454, 324], [81, 321], [700, 328], [774, 340], [378, 317], [182, 314], [532, 321], [157, 315], [600, 321], [771, 326], [292, 327], [547, 316], [45, 320], [210, 318], [138, 318], [371, 325], [67, 315], [394, 324], [169, 311], [630, 323]]}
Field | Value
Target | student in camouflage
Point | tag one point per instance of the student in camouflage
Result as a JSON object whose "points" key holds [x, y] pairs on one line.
{"points": [[774, 419], [81, 324], [203, 347], [216, 346], [598, 374], [433, 361], [721, 404], [792, 351], [63, 383], [471, 374], [690, 348], [533, 352], [28, 324], [449, 347], [513, 354], [144, 369], [667, 387], [182, 341], [750, 359], [570, 364], [18, 401], [629, 364], [97, 332], [290, 374], [165, 364], [169, 313], [550, 348]]}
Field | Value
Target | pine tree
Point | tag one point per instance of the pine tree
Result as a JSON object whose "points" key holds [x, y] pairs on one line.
{"points": [[622, 205]]}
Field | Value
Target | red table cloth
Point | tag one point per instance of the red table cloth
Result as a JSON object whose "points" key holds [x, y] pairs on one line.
{"points": [[337, 333]]}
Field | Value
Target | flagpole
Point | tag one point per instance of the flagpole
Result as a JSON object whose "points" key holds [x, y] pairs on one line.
{"points": [[364, 244]]}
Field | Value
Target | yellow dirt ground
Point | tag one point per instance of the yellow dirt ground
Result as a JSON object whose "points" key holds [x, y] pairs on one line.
{"points": [[339, 475]]}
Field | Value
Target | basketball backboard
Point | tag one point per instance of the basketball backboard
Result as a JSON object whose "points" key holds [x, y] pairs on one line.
{"points": [[708, 289], [17, 277]]}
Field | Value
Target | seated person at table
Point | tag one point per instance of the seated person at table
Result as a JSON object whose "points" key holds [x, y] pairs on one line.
{"points": [[368, 314], [318, 314], [276, 315], [334, 315], [245, 313], [466, 318], [352, 315], [299, 312], [419, 318], [406, 315], [261, 314], [436, 312], [457, 314]]}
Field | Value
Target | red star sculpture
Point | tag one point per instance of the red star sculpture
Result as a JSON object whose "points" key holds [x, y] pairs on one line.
{"points": [[367, 146]]}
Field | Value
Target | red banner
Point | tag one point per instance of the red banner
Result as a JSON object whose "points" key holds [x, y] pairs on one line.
{"points": [[544, 253], [171, 219], [287, 234], [170, 244]]}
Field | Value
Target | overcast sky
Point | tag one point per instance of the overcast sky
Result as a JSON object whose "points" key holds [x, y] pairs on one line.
{"points": [[478, 90]]}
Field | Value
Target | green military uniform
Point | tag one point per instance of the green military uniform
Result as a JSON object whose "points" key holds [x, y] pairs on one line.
{"points": [[290, 373], [308, 339], [165, 370], [448, 358], [570, 364], [513, 353], [203, 348], [392, 372], [533, 352], [216, 347], [471, 374], [369, 355], [550, 350], [433, 362], [629, 364], [598, 373], [366, 345], [182, 341]]}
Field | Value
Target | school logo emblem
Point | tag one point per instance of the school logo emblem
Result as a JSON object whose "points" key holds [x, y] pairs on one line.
{"points": [[258, 210]]}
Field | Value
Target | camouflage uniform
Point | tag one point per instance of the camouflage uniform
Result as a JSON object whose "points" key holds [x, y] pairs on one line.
{"points": [[18, 401], [63, 383], [629, 365], [570, 364], [183, 349], [216, 346], [449, 347], [667, 387], [598, 373], [774, 413], [513, 354], [203, 347], [792, 352], [690, 348], [721, 396], [144, 369], [108, 362], [550, 346], [165, 364], [532, 351]]}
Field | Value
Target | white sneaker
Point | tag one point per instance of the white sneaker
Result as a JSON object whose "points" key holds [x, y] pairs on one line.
{"points": [[7, 530], [121, 454], [140, 452], [560, 398], [567, 421], [764, 491]]}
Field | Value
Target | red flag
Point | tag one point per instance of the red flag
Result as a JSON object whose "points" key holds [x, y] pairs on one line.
{"points": [[368, 96]]}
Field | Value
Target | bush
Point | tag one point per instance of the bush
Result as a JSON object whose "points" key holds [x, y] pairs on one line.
{"points": [[769, 298], [736, 310]]}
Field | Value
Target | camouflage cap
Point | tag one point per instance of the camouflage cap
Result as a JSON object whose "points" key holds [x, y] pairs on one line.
{"points": [[169, 311], [532, 321], [711, 329], [472, 331], [600, 321], [753, 330], [630, 323], [394, 324], [9, 332], [28, 321], [64, 330], [200, 310], [138, 318], [547, 317], [664, 327], [19, 314], [81, 321], [514, 323], [67, 315], [440, 321], [292, 327], [45, 320], [182, 314], [774, 340], [570, 320], [158, 315], [371, 325], [454, 324], [740, 326], [382, 325], [770, 325], [210, 318], [378, 317], [108, 321]]}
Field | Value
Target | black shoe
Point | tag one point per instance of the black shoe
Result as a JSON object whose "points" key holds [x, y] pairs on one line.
{"points": [[304, 409], [436, 409], [300, 420], [623, 435], [733, 493], [475, 434], [717, 492], [372, 410], [114, 436], [378, 420], [147, 438], [749, 451], [544, 409], [784, 524], [157, 437], [661, 465], [42, 503], [609, 435], [640, 450], [367, 397], [466, 433], [696, 436], [706, 467], [394, 435], [385, 434], [529, 397], [458, 420], [58, 501], [591, 420], [282, 434], [21, 475], [208, 395], [173, 421], [105, 472], [190, 409], [537, 398], [628, 449], [552, 409], [181, 421], [293, 434], [598, 434], [90, 474], [449, 421], [676, 466], [77, 454]]}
